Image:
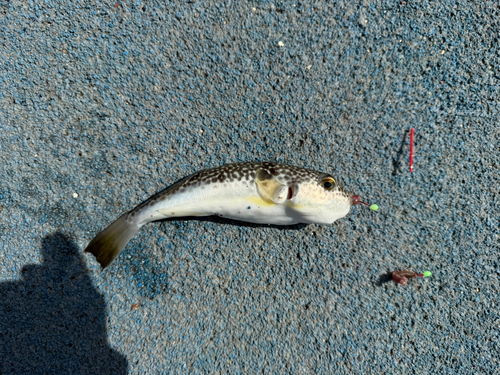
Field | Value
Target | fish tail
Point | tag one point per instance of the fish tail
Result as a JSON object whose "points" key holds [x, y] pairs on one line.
{"points": [[108, 244]]}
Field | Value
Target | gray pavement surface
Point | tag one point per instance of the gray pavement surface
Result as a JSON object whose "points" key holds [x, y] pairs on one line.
{"points": [[103, 104]]}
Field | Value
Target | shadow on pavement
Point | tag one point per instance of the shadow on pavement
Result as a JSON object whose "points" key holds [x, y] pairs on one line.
{"points": [[397, 161], [53, 320], [384, 278]]}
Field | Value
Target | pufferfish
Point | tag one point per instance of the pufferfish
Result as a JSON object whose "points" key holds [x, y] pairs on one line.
{"points": [[260, 192]]}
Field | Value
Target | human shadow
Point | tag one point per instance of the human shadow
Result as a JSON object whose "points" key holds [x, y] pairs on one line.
{"points": [[53, 320]]}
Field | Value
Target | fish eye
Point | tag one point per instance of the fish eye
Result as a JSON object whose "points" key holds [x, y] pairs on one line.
{"points": [[328, 183]]}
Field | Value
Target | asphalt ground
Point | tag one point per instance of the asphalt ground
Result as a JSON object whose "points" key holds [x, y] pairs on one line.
{"points": [[103, 104]]}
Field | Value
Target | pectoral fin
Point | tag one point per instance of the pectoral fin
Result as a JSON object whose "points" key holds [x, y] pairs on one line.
{"points": [[270, 189]]}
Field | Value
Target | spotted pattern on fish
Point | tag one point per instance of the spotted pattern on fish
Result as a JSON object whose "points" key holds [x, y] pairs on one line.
{"points": [[237, 172], [248, 171]]}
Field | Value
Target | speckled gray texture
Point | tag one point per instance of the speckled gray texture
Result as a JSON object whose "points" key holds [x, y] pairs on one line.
{"points": [[103, 105]]}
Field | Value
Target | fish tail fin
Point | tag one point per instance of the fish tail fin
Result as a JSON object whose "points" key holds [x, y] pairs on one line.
{"points": [[108, 244]]}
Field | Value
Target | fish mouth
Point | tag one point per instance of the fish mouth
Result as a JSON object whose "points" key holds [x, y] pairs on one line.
{"points": [[353, 199]]}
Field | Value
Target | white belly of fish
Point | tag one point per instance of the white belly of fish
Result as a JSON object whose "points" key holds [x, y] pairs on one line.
{"points": [[237, 201]]}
